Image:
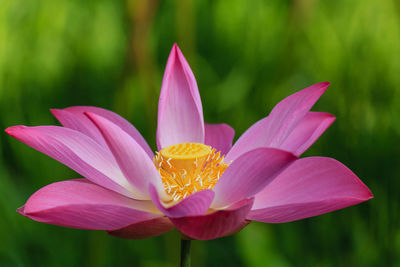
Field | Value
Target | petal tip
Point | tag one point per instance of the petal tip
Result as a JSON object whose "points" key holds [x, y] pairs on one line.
{"points": [[323, 85], [329, 118], [174, 51], [8, 130], [177, 54], [326, 83], [55, 111], [369, 194], [12, 130], [176, 48], [58, 113], [21, 210], [319, 87], [365, 193]]}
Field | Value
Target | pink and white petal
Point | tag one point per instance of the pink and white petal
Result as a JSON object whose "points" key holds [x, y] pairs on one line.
{"points": [[77, 151], [217, 224], [195, 204], [81, 204], [80, 123], [309, 187], [249, 174], [138, 169], [309, 129], [219, 136], [145, 229], [75, 118], [272, 131], [180, 113]]}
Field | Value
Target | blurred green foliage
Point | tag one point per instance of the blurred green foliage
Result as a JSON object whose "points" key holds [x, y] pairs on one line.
{"points": [[246, 55]]}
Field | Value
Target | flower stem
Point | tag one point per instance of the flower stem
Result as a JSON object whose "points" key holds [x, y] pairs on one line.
{"points": [[185, 252]]}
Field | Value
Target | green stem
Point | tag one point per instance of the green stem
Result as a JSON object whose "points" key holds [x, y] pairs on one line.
{"points": [[185, 252]]}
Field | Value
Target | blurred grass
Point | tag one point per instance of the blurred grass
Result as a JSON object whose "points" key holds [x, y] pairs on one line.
{"points": [[246, 56]]}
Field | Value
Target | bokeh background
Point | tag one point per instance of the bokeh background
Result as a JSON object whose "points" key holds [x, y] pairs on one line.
{"points": [[246, 56]]}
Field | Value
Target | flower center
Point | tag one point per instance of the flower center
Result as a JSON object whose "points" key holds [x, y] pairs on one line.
{"points": [[189, 167]]}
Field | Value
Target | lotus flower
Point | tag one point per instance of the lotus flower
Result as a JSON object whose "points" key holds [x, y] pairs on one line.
{"points": [[197, 182]]}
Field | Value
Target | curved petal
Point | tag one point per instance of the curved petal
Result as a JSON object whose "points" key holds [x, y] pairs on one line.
{"points": [[74, 118], [81, 204], [195, 204], [274, 129], [145, 229], [78, 122], [131, 158], [77, 151], [219, 136], [180, 113], [307, 132], [217, 224], [309, 187], [249, 174]]}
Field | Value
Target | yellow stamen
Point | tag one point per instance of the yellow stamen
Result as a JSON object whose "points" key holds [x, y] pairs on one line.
{"points": [[189, 167]]}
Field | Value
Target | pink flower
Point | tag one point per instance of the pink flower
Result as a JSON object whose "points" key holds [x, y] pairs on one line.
{"points": [[197, 182]]}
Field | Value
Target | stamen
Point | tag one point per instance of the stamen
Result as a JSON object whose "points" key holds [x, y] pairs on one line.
{"points": [[168, 161], [174, 193], [184, 173], [187, 168]]}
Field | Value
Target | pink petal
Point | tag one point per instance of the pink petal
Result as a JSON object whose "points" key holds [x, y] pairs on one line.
{"points": [[81, 204], [217, 224], [78, 122], [309, 187], [146, 229], [195, 204], [74, 118], [131, 158], [249, 174], [77, 151], [180, 113], [219, 136], [307, 131], [274, 129]]}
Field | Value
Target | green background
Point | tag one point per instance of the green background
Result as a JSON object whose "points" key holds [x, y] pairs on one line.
{"points": [[246, 56]]}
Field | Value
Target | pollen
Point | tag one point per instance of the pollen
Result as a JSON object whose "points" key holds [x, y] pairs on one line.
{"points": [[189, 167]]}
